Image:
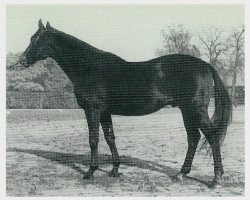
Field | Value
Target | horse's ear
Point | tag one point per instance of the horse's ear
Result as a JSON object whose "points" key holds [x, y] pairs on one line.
{"points": [[40, 24], [48, 25]]}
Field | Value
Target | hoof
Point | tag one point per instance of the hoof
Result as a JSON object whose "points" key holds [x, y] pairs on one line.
{"points": [[214, 185], [178, 177], [114, 173], [88, 176]]}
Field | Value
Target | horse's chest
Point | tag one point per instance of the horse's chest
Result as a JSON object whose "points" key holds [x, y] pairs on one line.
{"points": [[90, 96]]}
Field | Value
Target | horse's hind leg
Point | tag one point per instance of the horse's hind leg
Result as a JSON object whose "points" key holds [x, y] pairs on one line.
{"points": [[208, 129], [107, 127], [193, 137], [200, 109]]}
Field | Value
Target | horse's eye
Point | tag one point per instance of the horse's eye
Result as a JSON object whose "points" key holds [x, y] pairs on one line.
{"points": [[32, 39]]}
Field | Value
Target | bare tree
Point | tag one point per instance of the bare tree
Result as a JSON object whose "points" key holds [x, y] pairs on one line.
{"points": [[236, 58], [215, 48], [226, 54], [177, 40]]}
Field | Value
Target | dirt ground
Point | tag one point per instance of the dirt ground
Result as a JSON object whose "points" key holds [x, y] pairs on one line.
{"points": [[48, 153]]}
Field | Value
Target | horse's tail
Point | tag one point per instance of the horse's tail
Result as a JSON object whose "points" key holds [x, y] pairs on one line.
{"points": [[223, 107]]}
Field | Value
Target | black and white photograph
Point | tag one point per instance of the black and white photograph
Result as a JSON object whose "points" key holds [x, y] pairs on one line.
{"points": [[125, 100]]}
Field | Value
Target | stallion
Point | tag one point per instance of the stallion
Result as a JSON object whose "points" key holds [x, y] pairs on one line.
{"points": [[106, 85]]}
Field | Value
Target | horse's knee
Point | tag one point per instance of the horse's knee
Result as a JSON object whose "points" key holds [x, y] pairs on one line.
{"points": [[110, 138], [93, 142]]}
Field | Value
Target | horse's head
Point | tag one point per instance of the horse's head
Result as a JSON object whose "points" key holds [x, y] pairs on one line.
{"points": [[40, 46]]}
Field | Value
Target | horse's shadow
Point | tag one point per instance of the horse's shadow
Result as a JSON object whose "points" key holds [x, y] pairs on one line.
{"points": [[74, 160]]}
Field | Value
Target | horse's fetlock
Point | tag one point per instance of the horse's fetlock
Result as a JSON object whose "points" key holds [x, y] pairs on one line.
{"points": [[116, 163], [93, 168]]}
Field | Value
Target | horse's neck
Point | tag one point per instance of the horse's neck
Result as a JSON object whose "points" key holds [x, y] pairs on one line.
{"points": [[75, 58]]}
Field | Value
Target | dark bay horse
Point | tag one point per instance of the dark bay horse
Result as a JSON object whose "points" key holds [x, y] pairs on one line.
{"points": [[105, 85]]}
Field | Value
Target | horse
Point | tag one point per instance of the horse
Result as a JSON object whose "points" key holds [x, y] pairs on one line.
{"points": [[106, 85]]}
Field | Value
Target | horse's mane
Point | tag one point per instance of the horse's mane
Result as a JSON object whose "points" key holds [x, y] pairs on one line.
{"points": [[77, 43]]}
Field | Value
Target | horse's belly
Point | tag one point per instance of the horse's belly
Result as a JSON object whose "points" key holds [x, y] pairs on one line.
{"points": [[138, 106]]}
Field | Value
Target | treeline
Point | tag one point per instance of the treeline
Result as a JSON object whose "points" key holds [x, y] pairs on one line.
{"points": [[224, 50], [44, 85]]}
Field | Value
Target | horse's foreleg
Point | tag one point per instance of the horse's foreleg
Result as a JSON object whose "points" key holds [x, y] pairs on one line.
{"points": [[107, 127], [93, 119]]}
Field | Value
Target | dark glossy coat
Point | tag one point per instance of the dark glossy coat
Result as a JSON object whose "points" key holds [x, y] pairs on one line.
{"points": [[105, 85]]}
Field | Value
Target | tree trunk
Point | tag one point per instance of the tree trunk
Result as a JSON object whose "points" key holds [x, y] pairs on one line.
{"points": [[232, 92]]}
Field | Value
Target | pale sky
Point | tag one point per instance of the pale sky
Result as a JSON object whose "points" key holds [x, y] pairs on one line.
{"points": [[129, 31]]}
